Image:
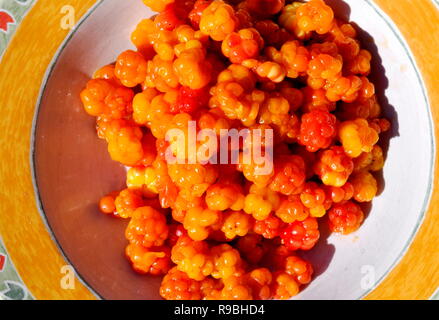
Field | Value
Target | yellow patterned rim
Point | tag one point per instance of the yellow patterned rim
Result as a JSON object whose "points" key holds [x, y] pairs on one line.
{"points": [[24, 233]]}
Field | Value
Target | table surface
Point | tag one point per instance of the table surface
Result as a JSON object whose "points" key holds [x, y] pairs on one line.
{"points": [[30, 34]]}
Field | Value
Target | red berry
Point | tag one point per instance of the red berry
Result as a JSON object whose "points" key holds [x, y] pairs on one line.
{"points": [[190, 100], [318, 129], [268, 228], [301, 235], [345, 217]]}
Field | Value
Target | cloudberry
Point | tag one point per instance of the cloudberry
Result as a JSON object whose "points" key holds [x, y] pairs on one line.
{"points": [[300, 269], [235, 288], [289, 20], [345, 217], [272, 33], [101, 97], [127, 201], [314, 198], [343, 88], [242, 45], [325, 67], [198, 220], [236, 103], [289, 175], [365, 186], [315, 99], [155, 261], [161, 75], [356, 137], [260, 202], [218, 20], [176, 285], [284, 286], [190, 100], [260, 280], [225, 196], [126, 146], [147, 227], [318, 130], [193, 258], [192, 69], [106, 204], [171, 17], [301, 235], [340, 194], [334, 166], [315, 15], [269, 228], [141, 104], [158, 5], [107, 73], [236, 223], [131, 68], [292, 209], [227, 261], [194, 178], [197, 11], [370, 161]]}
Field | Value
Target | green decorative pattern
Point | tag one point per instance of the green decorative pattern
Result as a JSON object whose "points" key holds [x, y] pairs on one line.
{"points": [[11, 286], [12, 13]]}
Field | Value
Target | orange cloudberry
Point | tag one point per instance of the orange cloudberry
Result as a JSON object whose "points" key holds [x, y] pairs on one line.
{"points": [[235, 223], [269, 228], [301, 235], [345, 217], [284, 286], [260, 202], [340, 194], [106, 204], [127, 201], [155, 261], [315, 15], [131, 68], [227, 261], [289, 20], [225, 196], [289, 175], [317, 130], [235, 288], [147, 227], [370, 161], [176, 285], [365, 186], [193, 258], [102, 97], [260, 280], [192, 69], [357, 136], [197, 222], [242, 45], [334, 166], [292, 209], [314, 198], [218, 20], [300, 269]]}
